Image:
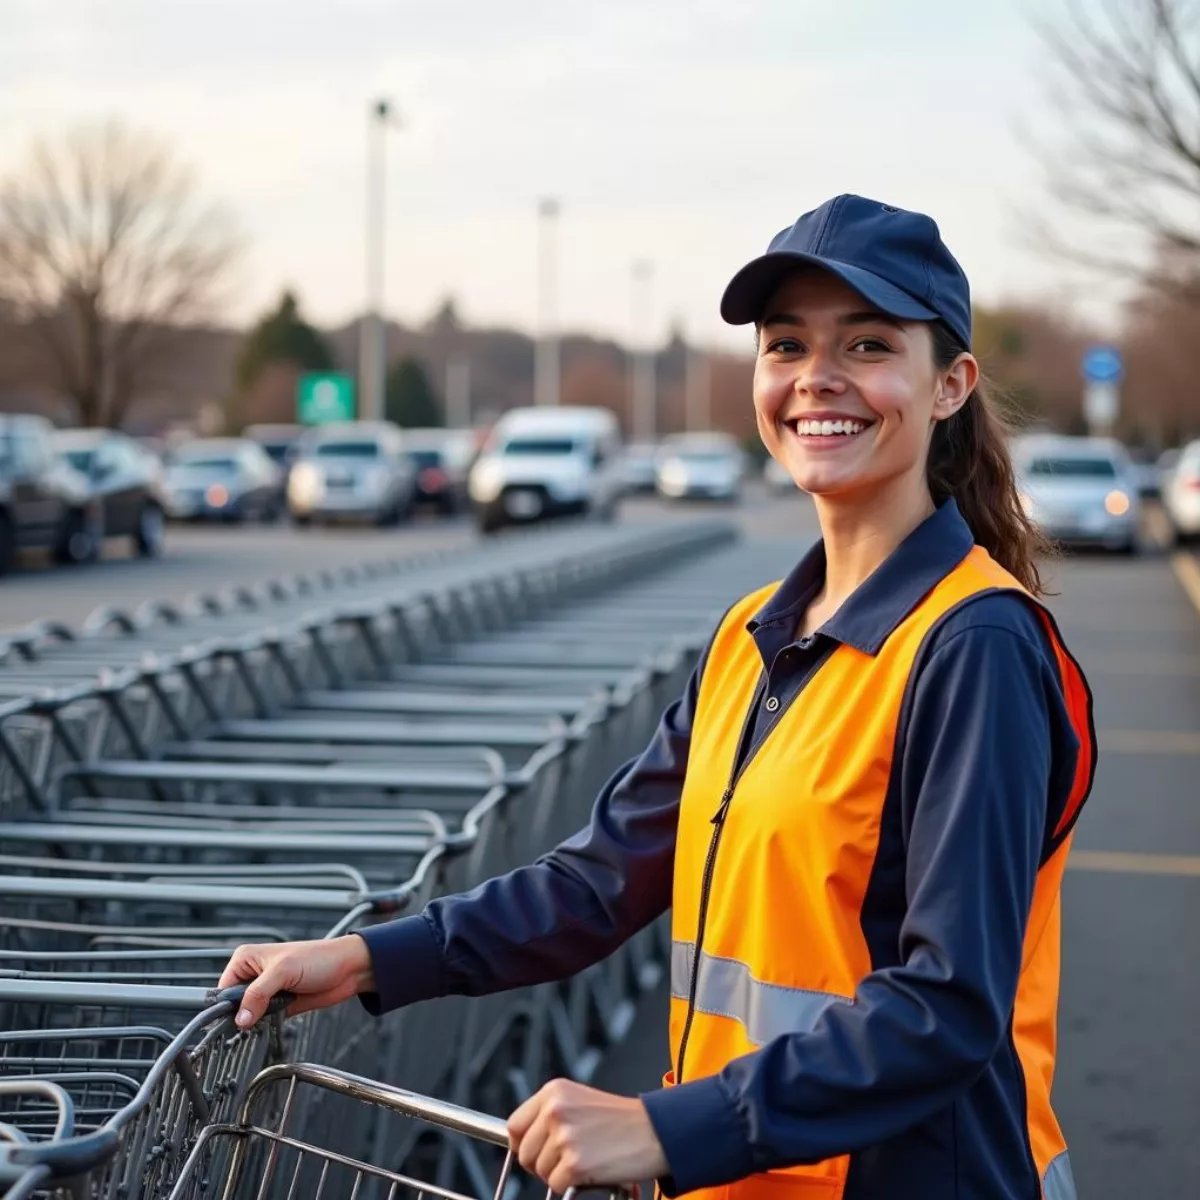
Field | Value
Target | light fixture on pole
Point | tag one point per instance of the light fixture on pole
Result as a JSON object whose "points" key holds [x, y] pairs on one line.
{"points": [[372, 366], [643, 389], [546, 366]]}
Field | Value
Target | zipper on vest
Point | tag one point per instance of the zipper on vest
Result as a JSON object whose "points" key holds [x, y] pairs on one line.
{"points": [[710, 864]]}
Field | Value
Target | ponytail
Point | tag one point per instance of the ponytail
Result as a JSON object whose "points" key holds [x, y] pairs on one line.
{"points": [[969, 461]]}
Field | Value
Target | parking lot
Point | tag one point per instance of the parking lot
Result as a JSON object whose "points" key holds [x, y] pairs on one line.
{"points": [[1127, 1090]]}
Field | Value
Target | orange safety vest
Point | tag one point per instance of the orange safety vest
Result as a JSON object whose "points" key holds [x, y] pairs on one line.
{"points": [[773, 894]]}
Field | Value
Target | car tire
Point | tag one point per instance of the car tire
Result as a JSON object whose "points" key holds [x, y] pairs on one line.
{"points": [[151, 531], [8, 544], [81, 539]]}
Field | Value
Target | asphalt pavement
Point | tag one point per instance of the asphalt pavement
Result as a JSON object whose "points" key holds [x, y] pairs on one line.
{"points": [[1128, 1085]]}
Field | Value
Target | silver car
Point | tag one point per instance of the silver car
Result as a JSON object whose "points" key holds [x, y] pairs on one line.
{"points": [[701, 466], [222, 479], [1079, 491], [353, 471]]}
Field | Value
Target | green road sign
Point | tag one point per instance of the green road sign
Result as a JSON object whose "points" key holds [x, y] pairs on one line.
{"points": [[322, 397]]}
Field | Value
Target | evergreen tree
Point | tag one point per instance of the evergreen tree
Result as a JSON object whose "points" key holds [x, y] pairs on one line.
{"points": [[282, 336], [410, 400]]}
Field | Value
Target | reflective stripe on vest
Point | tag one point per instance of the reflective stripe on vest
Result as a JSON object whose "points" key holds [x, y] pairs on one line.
{"points": [[1058, 1182], [727, 988]]}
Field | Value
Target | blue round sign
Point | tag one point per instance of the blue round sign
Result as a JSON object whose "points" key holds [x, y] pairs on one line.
{"points": [[1102, 364]]}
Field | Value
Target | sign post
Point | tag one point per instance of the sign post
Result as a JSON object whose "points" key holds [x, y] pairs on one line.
{"points": [[324, 397], [1103, 369]]}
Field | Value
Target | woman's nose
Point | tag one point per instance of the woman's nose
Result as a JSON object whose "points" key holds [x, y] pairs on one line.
{"points": [[819, 375]]}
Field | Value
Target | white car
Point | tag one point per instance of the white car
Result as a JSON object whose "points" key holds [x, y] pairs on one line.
{"points": [[1079, 491], [352, 470], [639, 465], [708, 466], [1181, 493], [540, 463], [776, 477]]}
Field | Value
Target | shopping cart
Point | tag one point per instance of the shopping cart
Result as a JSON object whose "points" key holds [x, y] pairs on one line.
{"points": [[135, 1098], [20, 1181], [465, 1152]]}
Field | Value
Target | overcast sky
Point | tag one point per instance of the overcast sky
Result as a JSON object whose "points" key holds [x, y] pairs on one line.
{"points": [[684, 131]]}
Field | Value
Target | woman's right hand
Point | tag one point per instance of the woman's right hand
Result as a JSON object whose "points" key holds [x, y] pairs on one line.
{"points": [[319, 974]]}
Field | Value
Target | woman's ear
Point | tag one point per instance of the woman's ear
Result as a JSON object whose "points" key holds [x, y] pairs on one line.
{"points": [[957, 383]]}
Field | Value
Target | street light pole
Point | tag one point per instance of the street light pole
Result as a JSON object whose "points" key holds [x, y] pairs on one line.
{"points": [[697, 390], [644, 384], [372, 367], [547, 368]]}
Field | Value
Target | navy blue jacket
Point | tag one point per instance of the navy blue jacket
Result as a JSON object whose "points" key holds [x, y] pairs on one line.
{"points": [[983, 773]]}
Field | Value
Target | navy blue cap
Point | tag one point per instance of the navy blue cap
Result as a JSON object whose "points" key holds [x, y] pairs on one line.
{"points": [[896, 259]]}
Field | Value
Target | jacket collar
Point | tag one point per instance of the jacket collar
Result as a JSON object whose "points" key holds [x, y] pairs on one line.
{"points": [[882, 601]]}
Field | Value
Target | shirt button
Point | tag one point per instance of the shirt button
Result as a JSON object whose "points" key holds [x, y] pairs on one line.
{"points": [[772, 703]]}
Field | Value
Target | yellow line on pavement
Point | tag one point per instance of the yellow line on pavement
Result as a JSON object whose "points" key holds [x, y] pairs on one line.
{"points": [[1134, 864], [1187, 571], [1148, 741]]}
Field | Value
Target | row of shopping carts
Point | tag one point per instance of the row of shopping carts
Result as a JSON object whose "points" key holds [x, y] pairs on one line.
{"points": [[178, 783]]}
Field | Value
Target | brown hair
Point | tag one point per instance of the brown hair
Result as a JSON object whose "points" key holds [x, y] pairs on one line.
{"points": [[969, 460]]}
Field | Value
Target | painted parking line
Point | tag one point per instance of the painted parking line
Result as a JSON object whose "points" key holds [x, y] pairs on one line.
{"points": [[1187, 571], [1149, 741], [1121, 863]]}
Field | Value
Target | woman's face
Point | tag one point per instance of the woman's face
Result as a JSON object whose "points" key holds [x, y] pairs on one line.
{"points": [[846, 397]]}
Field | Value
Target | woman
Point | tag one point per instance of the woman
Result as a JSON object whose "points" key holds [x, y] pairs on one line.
{"points": [[864, 799]]}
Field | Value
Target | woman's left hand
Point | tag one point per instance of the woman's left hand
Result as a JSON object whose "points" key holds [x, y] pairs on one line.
{"points": [[569, 1135]]}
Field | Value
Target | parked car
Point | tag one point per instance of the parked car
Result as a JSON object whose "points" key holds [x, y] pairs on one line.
{"points": [[1079, 490], [355, 470], [45, 503], [125, 478], [700, 466], [441, 458], [281, 442], [776, 477], [639, 465], [1181, 493], [541, 463], [222, 479]]}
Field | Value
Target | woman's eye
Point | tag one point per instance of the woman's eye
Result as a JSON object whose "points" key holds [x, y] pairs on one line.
{"points": [[871, 345], [784, 346]]}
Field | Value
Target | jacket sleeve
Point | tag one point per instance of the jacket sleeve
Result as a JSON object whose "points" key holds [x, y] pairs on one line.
{"points": [[974, 775], [570, 909]]}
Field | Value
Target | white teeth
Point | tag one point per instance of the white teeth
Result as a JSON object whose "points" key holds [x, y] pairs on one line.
{"points": [[807, 428]]}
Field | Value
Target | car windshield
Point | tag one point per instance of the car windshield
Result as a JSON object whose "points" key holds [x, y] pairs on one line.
{"points": [[226, 465], [426, 458], [546, 447], [81, 460], [1072, 468], [347, 450], [715, 458]]}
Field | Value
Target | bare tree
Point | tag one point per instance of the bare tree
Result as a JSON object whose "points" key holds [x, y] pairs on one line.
{"points": [[1125, 86], [104, 251]]}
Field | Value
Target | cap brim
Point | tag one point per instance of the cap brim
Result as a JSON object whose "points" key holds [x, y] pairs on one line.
{"points": [[751, 288]]}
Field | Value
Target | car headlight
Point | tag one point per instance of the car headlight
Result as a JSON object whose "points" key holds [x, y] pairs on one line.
{"points": [[673, 474], [304, 483], [217, 495], [1116, 503], [486, 482]]}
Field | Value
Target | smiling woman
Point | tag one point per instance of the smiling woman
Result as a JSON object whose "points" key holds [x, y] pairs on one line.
{"points": [[859, 812]]}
